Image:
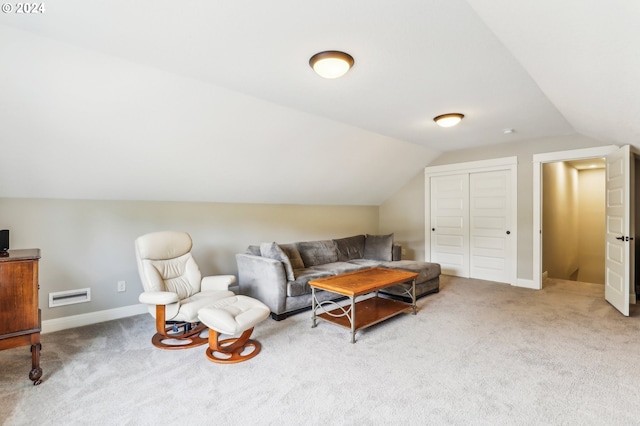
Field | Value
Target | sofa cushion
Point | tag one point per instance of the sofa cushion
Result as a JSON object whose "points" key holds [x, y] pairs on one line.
{"points": [[336, 268], [273, 251], [294, 255], [350, 247], [317, 252], [300, 285], [425, 270], [378, 247], [366, 263]]}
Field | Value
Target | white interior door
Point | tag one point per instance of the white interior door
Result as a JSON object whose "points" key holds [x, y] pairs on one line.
{"points": [[492, 256], [618, 228], [450, 223]]}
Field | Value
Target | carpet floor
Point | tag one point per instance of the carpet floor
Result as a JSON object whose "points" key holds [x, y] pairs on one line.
{"points": [[476, 353]]}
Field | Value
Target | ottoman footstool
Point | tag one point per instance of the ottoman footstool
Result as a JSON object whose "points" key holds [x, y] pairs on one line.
{"points": [[233, 315], [427, 282]]}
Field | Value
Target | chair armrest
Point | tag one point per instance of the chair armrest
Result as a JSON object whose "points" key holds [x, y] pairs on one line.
{"points": [[158, 297], [264, 279], [217, 282]]}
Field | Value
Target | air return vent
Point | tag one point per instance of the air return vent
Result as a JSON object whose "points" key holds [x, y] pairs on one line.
{"points": [[69, 297]]}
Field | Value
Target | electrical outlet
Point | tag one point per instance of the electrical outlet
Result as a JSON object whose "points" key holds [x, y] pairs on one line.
{"points": [[122, 286]]}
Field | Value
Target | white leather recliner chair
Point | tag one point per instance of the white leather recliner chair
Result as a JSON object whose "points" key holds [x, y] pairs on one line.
{"points": [[174, 288]]}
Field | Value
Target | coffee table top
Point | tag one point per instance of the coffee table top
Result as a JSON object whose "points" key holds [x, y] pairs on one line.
{"points": [[363, 281]]}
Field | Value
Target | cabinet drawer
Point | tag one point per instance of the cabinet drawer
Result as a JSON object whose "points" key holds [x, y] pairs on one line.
{"points": [[18, 296]]}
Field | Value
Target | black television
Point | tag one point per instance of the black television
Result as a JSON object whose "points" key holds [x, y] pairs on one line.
{"points": [[4, 240]]}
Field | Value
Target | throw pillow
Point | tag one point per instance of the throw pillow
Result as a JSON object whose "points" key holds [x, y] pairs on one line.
{"points": [[254, 250], [378, 247], [294, 255], [273, 251], [350, 247]]}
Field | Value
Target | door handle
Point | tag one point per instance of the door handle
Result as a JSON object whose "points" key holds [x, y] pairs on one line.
{"points": [[508, 232], [620, 238]]}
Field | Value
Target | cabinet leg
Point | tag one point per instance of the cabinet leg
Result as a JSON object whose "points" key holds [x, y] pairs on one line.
{"points": [[36, 372]]}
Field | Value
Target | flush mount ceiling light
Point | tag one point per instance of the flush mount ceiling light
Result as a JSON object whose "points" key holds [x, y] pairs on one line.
{"points": [[448, 120], [331, 63]]}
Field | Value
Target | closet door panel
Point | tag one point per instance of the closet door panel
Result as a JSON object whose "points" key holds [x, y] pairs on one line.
{"points": [[450, 223], [491, 257]]}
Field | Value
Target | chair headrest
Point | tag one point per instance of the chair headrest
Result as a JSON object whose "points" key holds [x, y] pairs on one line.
{"points": [[163, 245]]}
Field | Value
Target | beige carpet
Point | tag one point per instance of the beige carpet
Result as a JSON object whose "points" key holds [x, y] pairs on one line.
{"points": [[476, 353]]}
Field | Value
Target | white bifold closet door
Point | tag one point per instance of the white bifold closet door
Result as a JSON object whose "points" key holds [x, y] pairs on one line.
{"points": [[490, 215], [450, 223], [471, 219]]}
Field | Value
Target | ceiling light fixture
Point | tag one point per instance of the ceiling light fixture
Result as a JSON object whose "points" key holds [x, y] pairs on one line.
{"points": [[448, 120], [331, 63]]}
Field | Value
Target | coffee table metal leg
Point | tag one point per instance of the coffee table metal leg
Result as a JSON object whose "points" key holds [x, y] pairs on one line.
{"points": [[413, 296], [313, 307], [353, 319]]}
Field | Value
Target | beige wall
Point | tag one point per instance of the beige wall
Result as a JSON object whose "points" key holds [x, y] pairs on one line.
{"points": [[403, 214], [560, 220], [573, 223], [393, 212], [90, 243], [591, 225]]}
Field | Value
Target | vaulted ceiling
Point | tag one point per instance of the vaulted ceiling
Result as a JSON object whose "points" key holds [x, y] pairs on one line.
{"points": [[215, 101]]}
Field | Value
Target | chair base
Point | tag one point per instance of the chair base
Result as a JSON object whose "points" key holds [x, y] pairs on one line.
{"points": [[184, 340], [230, 351]]}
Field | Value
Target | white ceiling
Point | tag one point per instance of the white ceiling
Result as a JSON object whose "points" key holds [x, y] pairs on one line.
{"points": [[136, 100], [588, 164]]}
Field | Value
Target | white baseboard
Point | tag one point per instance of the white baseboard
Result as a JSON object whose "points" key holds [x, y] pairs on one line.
{"points": [[526, 284], [74, 321]]}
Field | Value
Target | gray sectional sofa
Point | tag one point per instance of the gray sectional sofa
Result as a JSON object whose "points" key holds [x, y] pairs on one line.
{"points": [[278, 274]]}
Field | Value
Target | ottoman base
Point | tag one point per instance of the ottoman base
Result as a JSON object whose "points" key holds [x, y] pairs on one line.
{"points": [[232, 316], [231, 351]]}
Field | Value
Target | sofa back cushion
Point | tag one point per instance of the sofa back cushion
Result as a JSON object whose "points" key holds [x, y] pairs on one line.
{"points": [[317, 252], [378, 247], [350, 248]]}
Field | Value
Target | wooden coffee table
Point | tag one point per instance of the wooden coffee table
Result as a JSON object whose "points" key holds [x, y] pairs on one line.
{"points": [[366, 312]]}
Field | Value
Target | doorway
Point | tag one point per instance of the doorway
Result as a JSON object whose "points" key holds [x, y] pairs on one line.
{"points": [[538, 161], [573, 220], [621, 217]]}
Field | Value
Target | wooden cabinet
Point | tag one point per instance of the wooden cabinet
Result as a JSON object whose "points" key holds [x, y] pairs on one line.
{"points": [[19, 312]]}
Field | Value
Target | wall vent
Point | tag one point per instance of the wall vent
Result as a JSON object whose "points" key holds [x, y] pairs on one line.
{"points": [[69, 297]]}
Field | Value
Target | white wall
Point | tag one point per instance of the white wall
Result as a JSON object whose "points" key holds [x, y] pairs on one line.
{"points": [[87, 243], [78, 124]]}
